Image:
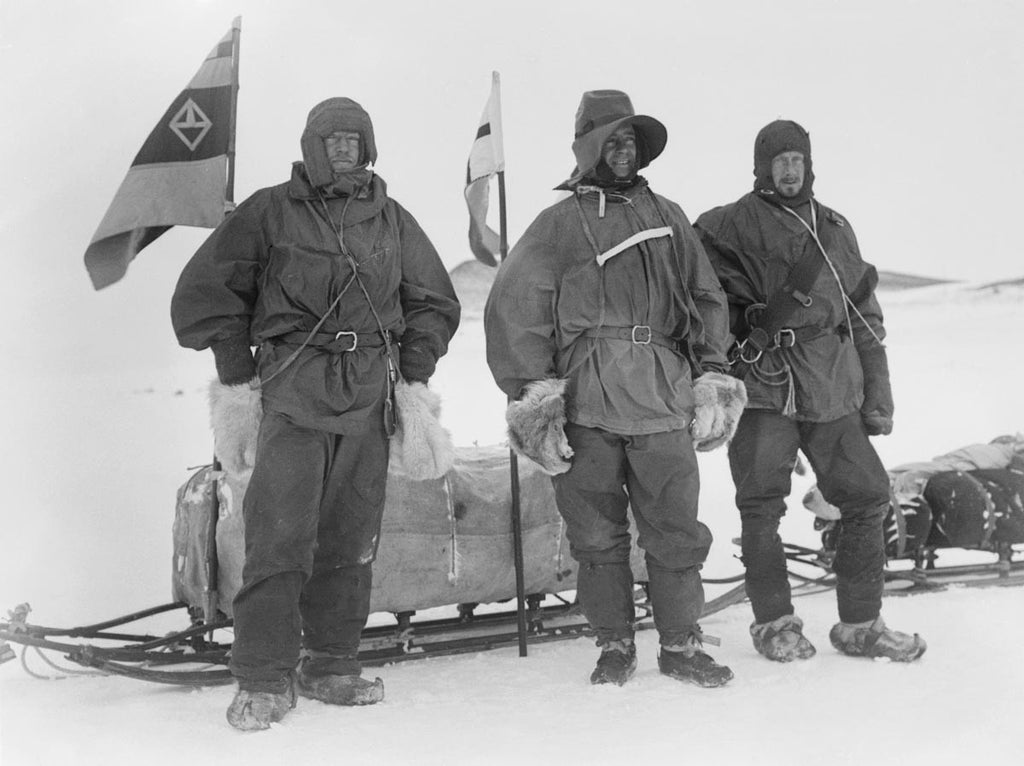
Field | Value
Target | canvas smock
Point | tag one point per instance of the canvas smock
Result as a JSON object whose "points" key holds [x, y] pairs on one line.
{"points": [[753, 245], [275, 266], [551, 291]]}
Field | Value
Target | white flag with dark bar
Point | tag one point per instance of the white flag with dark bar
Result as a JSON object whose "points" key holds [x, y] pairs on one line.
{"points": [[486, 160]]}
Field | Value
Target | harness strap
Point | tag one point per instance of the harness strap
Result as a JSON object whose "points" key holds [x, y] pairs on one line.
{"points": [[640, 236]]}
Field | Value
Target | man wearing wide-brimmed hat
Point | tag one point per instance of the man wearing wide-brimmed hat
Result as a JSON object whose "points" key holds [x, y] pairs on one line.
{"points": [[607, 328]]}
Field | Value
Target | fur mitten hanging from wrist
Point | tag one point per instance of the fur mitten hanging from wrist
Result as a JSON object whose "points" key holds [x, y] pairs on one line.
{"points": [[536, 425], [421, 448], [235, 414], [719, 401]]}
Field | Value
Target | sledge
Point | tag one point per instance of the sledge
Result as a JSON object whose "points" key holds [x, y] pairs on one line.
{"points": [[970, 499], [445, 573]]}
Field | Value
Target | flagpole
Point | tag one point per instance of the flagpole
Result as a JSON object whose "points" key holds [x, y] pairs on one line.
{"points": [[212, 563], [517, 515], [236, 42]]}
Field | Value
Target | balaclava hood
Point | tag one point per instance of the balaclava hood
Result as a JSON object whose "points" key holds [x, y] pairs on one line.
{"points": [[326, 118], [772, 140], [601, 113]]}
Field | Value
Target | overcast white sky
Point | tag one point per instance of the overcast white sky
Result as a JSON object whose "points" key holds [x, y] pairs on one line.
{"points": [[915, 111]]}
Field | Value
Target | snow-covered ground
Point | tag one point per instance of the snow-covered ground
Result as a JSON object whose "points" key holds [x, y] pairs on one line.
{"points": [[90, 461]]}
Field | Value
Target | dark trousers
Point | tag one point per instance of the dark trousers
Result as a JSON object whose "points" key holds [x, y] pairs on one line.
{"points": [[656, 475], [312, 525], [851, 477]]}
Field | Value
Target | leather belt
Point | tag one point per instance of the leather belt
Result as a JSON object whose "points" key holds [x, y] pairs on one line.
{"points": [[639, 335], [336, 342]]}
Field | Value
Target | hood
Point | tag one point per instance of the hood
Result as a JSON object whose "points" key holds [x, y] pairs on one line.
{"points": [[325, 118], [772, 140]]}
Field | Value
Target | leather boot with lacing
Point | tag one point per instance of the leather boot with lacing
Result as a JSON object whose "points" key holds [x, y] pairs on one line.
{"points": [[616, 664], [782, 640], [689, 662]]}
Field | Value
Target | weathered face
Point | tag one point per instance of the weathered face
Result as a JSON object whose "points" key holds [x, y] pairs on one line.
{"points": [[619, 152], [343, 150], [788, 173]]}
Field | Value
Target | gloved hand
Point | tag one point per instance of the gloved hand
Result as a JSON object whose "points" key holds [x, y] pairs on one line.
{"points": [[718, 404], [536, 425], [235, 415], [235, 363], [877, 410], [876, 424], [421, 448]]}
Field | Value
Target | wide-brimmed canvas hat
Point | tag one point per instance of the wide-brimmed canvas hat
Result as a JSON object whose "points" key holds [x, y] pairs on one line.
{"points": [[601, 113]]}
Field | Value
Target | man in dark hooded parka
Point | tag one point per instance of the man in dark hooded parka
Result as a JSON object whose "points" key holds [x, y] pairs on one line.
{"points": [[607, 328], [810, 332], [344, 297]]}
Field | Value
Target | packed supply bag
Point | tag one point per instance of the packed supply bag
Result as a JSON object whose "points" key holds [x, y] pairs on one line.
{"points": [[443, 541]]}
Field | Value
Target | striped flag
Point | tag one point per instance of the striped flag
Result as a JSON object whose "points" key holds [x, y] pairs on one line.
{"points": [[179, 177], [486, 159]]}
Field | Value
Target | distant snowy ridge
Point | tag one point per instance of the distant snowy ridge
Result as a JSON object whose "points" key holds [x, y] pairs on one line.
{"points": [[472, 281], [894, 280]]}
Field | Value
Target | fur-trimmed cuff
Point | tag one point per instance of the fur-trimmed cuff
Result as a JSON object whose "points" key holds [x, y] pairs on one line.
{"points": [[719, 401], [421, 447], [536, 425], [235, 415]]}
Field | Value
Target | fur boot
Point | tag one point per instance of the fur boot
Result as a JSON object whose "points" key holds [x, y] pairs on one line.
{"points": [[782, 640], [235, 414], [420, 448], [536, 425], [876, 640], [719, 401]]}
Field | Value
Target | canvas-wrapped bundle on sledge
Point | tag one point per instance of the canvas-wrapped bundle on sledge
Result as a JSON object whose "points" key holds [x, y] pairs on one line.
{"points": [[972, 497], [443, 541]]}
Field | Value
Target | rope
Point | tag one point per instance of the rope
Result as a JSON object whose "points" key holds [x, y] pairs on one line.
{"points": [[847, 303], [453, 572]]}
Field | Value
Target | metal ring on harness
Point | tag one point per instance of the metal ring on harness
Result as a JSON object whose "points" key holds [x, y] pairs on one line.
{"points": [[742, 350], [355, 340]]}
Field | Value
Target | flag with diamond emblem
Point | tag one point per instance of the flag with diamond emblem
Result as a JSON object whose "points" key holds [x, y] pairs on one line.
{"points": [[180, 175]]}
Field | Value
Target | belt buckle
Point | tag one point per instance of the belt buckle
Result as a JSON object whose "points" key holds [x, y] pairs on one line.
{"points": [[355, 340], [641, 335], [785, 338]]}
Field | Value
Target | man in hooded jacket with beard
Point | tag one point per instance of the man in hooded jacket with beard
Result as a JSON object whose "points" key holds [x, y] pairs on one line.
{"points": [[598, 323], [344, 297], [809, 346]]}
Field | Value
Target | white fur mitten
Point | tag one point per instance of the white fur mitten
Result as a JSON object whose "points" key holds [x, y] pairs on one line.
{"points": [[421, 448], [235, 414], [719, 401], [536, 425]]}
